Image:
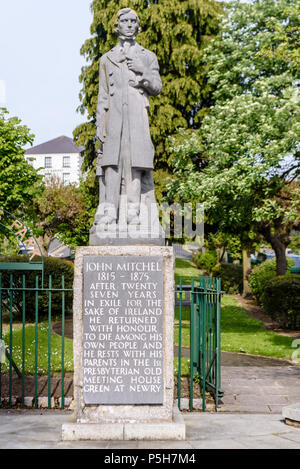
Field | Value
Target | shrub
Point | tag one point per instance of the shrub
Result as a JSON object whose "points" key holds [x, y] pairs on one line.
{"points": [[260, 275], [52, 266], [281, 300], [206, 260], [231, 277]]}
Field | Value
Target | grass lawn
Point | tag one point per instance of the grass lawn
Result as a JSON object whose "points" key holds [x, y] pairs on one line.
{"points": [[186, 270], [240, 333], [56, 346], [185, 366]]}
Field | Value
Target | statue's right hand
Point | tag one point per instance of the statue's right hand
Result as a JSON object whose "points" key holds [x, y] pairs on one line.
{"points": [[99, 144], [100, 149]]}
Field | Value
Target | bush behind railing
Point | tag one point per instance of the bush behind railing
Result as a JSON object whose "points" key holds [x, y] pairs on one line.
{"points": [[54, 267]]}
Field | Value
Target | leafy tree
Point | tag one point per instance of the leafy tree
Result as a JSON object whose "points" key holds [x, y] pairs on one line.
{"points": [[223, 242], [295, 243], [76, 231], [177, 32], [249, 141], [17, 178], [57, 210]]}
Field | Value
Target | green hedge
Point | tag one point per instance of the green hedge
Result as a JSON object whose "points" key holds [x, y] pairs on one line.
{"points": [[231, 277], [260, 275], [52, 266], [206, 260], [281, 300]]}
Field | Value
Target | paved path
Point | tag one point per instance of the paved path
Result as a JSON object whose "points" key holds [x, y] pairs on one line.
{"points": [[260, 389], [42, 430], [181, 252], [256, 384]]}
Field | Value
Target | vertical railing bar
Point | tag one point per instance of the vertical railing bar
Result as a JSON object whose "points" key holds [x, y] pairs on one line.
{"points": [[216, 364], [210, 333], [36, 342], [10, 338], [207, 326], [218, 348], [192, 348], [213, 326], [202, 325], [1, 336], [179, 346], [215, 305], [23, 338], [63, 346], [49, 340], [211, 308], [205, 322], [199, 299], [204, 349]]}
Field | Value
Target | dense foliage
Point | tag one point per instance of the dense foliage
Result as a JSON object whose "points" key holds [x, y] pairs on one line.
{"points": [[56, 268], [260, 275], [249, 141], [64, 211], [231, 276], [205, 260], [281, 300]]}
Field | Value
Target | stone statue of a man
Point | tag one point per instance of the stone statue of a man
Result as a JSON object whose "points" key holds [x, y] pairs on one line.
{"points": [[129, 74]]}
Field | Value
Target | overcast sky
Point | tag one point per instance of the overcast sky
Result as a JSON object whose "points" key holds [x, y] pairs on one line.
{"points": [[40, 63]]}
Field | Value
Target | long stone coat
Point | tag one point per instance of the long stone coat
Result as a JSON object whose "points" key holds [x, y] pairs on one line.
{"points": [[118, 86]]}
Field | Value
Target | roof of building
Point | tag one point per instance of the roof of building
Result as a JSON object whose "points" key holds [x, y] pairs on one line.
{"points": [[58, 249], [57, 145]]}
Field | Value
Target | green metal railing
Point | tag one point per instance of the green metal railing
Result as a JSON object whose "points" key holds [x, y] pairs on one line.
{"points": [[204, 301], [9, 295], [199, 306]]}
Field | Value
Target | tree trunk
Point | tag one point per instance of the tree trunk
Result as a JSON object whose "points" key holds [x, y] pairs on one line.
{"points": [[43, 243], [281, 261], [279, 241], [246, 268]]}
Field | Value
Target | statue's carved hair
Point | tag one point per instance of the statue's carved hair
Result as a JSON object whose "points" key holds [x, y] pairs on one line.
{"points": [[122, 12]]}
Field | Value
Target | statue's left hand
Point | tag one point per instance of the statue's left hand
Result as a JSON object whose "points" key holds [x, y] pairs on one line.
{"points": [[135, 65]]}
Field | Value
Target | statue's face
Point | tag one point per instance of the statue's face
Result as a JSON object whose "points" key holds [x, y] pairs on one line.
{"points": [[128, 25]]}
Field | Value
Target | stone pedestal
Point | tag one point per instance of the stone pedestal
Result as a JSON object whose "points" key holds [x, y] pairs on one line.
{"points": [[123, 345], [148, 232]]}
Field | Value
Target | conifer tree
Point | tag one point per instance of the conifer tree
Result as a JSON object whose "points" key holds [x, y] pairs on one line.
{"points": [[177, 32]]}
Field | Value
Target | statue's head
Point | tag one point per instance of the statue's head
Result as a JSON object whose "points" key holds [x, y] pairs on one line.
{"points": [[128, 24]]}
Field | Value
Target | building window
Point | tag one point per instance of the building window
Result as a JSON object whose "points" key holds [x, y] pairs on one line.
{"points": [[48, 162], [66, 162], [66, 178]]}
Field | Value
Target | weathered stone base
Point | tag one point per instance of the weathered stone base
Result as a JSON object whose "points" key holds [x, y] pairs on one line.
{"points": [[121, 237], [174, 430], [291, 415]]}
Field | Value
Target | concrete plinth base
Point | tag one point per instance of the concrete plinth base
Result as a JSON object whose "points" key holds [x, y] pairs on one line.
{"points": [[174, 430], [291, 414]]}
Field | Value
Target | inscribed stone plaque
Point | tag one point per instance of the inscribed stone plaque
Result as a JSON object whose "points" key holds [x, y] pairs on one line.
{"points": [[123, 330]]}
